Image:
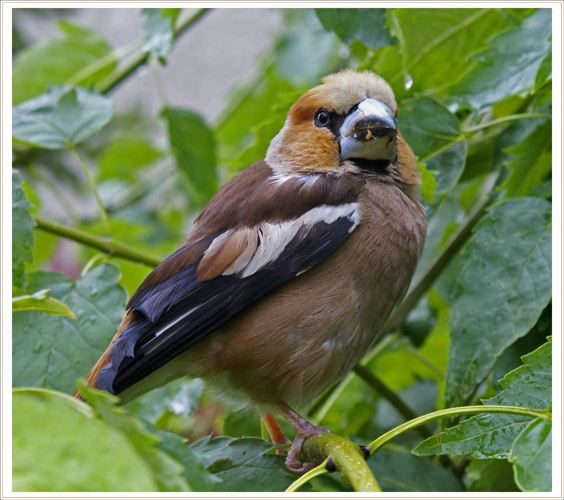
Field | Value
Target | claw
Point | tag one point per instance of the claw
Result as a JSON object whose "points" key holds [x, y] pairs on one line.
{"points": [[305, 430]]}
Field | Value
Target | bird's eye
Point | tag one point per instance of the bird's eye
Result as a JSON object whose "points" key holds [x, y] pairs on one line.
{"points": [[322, 118]]}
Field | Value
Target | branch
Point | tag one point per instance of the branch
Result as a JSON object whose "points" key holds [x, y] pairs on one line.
{"points": [[120, 74], [346, 457], [106, 245]]}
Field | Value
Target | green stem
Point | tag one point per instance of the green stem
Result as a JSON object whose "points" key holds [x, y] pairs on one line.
{"points": [[453, 412], [100, 64], [120, 74], [107, 245], [383, 390], [308, 476], [504, 119], [92, 183]]}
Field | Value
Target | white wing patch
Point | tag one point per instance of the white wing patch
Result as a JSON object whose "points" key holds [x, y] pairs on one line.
{"points": [[273, 238]]}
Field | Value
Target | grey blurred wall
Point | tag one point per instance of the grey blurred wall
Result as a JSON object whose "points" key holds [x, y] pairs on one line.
{"points": [[207, 61]]}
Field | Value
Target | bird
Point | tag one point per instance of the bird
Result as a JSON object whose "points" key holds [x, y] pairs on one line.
{"points": [[291, 269]]}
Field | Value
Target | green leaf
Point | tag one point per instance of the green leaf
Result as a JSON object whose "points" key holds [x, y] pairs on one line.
{"points": [[53, 351], [492, 435], [56, 448], [543, 190], [243, 464], [179, 397], [41, 302], [510, 65], [197, 477], [61, 118], [264, 133], [159, 31], [532, 457], [166, 470], [427, 126], [122, 156], [428, 184], [441, 39], [306, 52], [22, 234], [504, 285], [447, 167], [531, 163], [545, 70], [53, 62], [365, 25], [194, 149], [489, 476], [397, 470]]}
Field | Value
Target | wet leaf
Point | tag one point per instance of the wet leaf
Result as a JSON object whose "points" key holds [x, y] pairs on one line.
{"points": [[61, 118], [22, 234], [365, 25], [504, 285], [54, 351], [492, 435]]}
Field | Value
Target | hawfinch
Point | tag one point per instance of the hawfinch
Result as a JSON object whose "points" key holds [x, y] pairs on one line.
{"points": [[291, 269]]}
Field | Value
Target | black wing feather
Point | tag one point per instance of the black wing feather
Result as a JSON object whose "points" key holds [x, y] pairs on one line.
{"points": [[206, 306]]}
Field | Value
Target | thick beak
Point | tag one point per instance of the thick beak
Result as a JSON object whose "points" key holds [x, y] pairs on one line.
{"points": [[369, 132]]}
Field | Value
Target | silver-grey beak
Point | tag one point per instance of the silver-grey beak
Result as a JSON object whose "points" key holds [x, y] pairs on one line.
{"points": [[369, 132]]}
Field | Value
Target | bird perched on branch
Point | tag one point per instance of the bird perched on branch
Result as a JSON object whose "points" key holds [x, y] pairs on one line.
{"points": [[291, 269]]}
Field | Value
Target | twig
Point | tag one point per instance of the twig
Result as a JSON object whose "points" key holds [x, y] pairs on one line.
{"points": [[107, 245], [120, 74]]}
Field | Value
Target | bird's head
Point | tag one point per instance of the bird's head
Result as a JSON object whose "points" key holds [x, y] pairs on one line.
{"points": [[347, 124]]}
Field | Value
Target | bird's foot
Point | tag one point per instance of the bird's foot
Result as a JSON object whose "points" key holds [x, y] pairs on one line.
{"points": [[305, 430], [292, 461]]}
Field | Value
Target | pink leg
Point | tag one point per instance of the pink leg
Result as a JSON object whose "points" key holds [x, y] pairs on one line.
{"points": [[304, 430], [276, 433]]}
